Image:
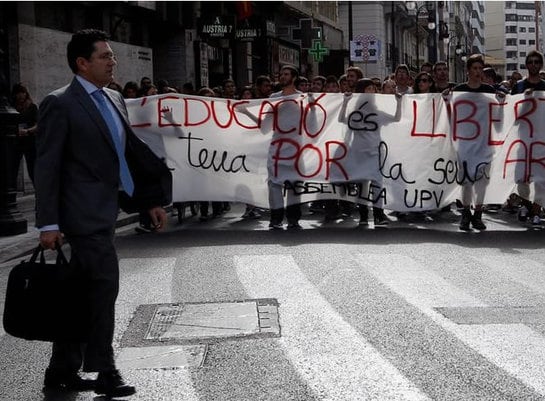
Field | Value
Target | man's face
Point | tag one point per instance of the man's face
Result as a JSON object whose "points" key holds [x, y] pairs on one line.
{"points": [[516, 77], [351, 79], [533, 65], [389, 87], [343, 86], [265, 88], [475, 71], [441, 73], [303, 86], [229, 89], [426, 68], [378, 84], [99, 69], [316, 86], [331, 87], [402, 77], [130, 93], [285, 79], [487, 79]]}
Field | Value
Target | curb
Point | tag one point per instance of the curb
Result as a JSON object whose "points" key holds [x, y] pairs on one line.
{"points": [[29, 240]]}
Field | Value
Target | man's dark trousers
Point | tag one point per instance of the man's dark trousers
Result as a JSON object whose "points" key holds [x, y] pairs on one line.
{"points": [[95, 258]]}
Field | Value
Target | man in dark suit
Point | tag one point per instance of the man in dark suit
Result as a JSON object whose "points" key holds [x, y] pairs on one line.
{"points": [[81, 170]]}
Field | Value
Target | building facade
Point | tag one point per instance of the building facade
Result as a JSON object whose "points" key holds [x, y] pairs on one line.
{"points": [[513, 29], [202, 43]]}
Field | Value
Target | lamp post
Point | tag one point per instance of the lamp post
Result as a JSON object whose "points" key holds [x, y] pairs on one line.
{"points": [[457, 53], [412, 7]]}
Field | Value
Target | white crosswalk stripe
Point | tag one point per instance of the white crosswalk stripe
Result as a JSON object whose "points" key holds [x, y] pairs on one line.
{"points": [[331, 356], [518, 268], [159, 271], [515, 348]]}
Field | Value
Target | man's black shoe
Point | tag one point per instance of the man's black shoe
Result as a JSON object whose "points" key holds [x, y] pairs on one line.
{"points": [[111, 384], [62, 381]]}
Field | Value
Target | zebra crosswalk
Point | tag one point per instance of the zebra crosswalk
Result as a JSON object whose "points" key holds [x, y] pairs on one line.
{"points": [[358, 322]]}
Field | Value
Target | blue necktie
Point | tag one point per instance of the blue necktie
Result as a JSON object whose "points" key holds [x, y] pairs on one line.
{"points": [[124, 173]]}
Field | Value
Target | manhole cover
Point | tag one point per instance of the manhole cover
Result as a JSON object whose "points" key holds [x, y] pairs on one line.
{"points": [[197, 322]]}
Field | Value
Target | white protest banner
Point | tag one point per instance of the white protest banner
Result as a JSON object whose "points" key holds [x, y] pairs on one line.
{"points": [[412, 153]]}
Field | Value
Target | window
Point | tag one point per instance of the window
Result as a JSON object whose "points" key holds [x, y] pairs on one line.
{"points": [[511, 42], [510, 29], [525, 6], [528, 18], [522, 29], [522, 66], [522, 42], [510, 4], [511, 54], [510, 17], [532, 30], [532, 42], [522, 54], [511, 66]]}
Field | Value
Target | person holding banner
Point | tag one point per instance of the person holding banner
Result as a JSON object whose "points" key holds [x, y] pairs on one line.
{"points": [[288, 76], [353, 75], [441, 78], [476, 189], [403, 78], [534, 62], [366, 141], [217, 207]]}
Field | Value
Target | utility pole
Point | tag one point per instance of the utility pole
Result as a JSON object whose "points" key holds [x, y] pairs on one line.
{"points": [[350, 32]]}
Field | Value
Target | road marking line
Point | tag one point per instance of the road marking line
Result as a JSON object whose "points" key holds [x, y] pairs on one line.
{"points": [[331, 356], [149, 281], [524, 271], [516, 348]]}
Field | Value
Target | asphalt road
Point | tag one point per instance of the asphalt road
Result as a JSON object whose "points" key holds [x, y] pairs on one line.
{"points": [[417, 311]]}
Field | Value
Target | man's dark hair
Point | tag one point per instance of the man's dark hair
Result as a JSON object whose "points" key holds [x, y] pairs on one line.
{"points": [[426, 64], [534, 53], [301, 79], [331, 78], [474, 58], [489, 72], [82, 44], [227, 81], [147, 79], [292, 69], [402, 67], [362, 84], [162, 83], [320, 78], [437, 64], [261, 79]]}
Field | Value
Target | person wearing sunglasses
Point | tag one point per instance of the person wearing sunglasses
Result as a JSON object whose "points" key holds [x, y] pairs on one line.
{"points": [[423, 83], [534, 64]]}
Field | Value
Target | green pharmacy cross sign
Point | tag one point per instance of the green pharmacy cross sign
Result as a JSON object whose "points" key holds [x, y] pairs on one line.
{"points": [[318, 52]]}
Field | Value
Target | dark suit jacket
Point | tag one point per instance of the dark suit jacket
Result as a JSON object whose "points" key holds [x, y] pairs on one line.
{"points": [[77, 168]]}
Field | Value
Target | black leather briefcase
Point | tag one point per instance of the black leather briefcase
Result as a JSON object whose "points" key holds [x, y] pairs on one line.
{"points": [[44, 300]]}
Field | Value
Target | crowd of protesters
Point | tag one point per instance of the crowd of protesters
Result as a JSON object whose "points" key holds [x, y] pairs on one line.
{"points": [[432, 78]]}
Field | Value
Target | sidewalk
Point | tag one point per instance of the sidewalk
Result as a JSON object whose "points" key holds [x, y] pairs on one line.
{"points": [[17, 246]]}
